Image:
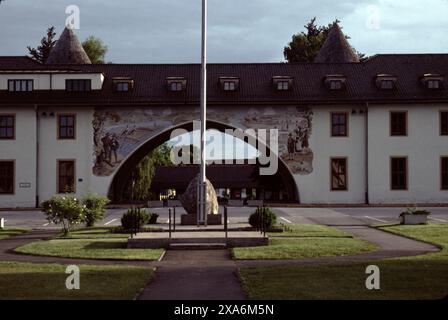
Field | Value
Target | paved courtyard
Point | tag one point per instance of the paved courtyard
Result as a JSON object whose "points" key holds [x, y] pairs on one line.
{"points": [[238, 216]]}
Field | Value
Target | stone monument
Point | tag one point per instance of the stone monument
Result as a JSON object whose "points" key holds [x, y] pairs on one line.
{"points": [[189, 201]]}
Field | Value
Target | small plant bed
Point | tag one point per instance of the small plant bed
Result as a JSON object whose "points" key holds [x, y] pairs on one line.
{"points": [[6, 233], [47, 281], [105, 249], [305, 241]]}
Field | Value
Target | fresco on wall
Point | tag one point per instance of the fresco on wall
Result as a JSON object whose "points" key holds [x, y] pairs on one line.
{"points": [[119, 132]]}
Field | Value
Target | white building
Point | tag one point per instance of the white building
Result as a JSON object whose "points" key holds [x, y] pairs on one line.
{"points": [[350, 132]]}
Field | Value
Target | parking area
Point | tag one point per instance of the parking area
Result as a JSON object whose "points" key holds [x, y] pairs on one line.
{"points": [[329, 216]]}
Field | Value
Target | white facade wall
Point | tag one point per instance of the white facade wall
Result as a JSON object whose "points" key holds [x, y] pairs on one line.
{"points": [[22, 150], [53, 149], [423, 146], [315, 188]]}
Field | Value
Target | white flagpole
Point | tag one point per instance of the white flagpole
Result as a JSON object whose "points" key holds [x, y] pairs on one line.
{"points": [[202, 215]]}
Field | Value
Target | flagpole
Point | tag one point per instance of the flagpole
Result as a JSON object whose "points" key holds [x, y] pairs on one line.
{"points": [[202, 215]]}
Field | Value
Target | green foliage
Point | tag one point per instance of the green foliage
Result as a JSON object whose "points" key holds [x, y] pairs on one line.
{"points": [[95, 48], [413, 209], [305, 46], [145, 170], [65, 210], [42, 52], [269, 218], [134, 219], [94, 208]]}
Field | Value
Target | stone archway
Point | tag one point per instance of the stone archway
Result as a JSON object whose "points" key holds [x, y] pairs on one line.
{"points": [[123, 171]]}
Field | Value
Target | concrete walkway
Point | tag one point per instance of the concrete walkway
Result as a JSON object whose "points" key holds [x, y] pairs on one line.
{"points": [[195, 275]]}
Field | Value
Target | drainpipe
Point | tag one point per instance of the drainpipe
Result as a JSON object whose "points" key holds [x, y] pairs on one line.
{"points": [[366, 153], [36, 109]]}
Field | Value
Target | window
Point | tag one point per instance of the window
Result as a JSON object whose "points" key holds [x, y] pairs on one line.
{"points": [[444, 173], [399, 173], [7, 126], [66, 126], [66, 176], [176, 86], [444, 123], [339, 125], [122, 86], [20, 85], [398, 123], [6, 177], [335, 85], [338, 174], [283, 85], [387, 84], [78, 85], [229, 86], [433, 84]]}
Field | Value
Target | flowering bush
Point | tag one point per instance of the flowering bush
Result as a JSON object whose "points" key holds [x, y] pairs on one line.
{"points": [[65, 210], [94, 208]]}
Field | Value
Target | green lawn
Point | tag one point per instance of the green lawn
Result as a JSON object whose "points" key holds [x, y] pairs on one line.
{"points": [[5, 233], [423, 277], [114, 249], [47, 281], [305, 241]]}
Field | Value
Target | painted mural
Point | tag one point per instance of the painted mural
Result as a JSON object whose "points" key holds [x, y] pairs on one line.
{"points": [[119, 132]]}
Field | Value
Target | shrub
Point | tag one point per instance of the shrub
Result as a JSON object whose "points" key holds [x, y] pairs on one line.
{"points": [[65, 210], [94, 209], [270, 218], [153, 218], [134, 219]]}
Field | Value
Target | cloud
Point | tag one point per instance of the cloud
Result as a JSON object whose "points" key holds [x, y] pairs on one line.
{"points": [[168, 31]]}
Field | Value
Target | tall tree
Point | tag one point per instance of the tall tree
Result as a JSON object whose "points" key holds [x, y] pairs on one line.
{"points": [[47, 43], [305, 45], [95, 49], [143, 174]]}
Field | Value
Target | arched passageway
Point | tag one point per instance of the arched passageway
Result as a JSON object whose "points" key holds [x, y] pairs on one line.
{"points": [[123, 174]]}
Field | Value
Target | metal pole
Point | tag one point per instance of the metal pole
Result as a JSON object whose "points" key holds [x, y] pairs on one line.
{"points": [[169, 222], [174, 219], [202, 209], [225, 221]]}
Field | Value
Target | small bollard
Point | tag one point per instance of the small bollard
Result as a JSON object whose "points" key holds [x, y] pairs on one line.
{"points": [[2, 223]]}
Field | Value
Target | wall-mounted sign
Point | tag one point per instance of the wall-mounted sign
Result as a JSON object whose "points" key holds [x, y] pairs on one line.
{"points": [[25, 185]]}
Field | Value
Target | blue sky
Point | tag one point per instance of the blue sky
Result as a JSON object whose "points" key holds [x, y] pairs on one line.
{"points": [[167, 31]]}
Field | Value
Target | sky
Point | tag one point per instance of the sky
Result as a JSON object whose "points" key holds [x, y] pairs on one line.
{"points": [[168, 31]]}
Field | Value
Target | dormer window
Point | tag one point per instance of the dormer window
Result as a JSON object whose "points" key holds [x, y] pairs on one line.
{"points": [[229, 83], [282, 83], [432, 81], [176, 84], [123, 84], [78, 85], [385, 81], [20, 85], [335, 82]]}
